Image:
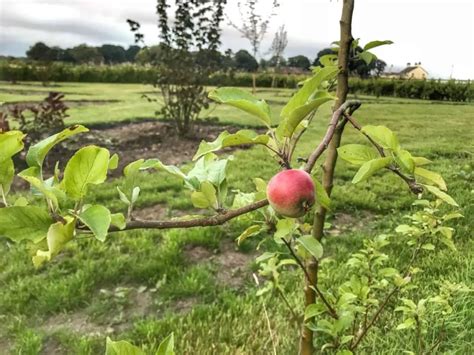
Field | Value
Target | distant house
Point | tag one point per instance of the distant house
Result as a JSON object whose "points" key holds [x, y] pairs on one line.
{"points": [[415, 71]]}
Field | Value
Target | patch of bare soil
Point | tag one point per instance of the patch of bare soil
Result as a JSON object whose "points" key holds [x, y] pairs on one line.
{"points": [[77, 322], [184, 305], [52, 347], [146, 139], [158, 211], [233, 266], [344, 222], [5, 345]]}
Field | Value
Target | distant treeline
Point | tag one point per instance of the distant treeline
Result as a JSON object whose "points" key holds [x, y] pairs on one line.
{"points": [[241, 60], [19, 71]]}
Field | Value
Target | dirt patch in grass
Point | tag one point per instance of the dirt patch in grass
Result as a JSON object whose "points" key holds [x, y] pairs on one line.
{"points": [[344, 222], [196, 253], [184, 305], [52, 347], [6, 345], [77, 322], [233, 265]]}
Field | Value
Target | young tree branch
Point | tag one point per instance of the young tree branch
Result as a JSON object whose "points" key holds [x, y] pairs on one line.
{"points": [[411, 182]]}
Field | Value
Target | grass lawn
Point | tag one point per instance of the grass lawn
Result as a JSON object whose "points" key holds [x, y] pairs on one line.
{"points": [[142, 285]]}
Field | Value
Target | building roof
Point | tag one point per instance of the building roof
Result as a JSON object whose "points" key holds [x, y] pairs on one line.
{"points": [[410, 68]]}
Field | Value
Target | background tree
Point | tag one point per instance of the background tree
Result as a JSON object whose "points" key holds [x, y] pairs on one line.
{"points": [[38, 51], [86, 54], [187, 56], [279, 43], [245, 61], [299, 61], [112, 54], [131, 53], [253, 25]]}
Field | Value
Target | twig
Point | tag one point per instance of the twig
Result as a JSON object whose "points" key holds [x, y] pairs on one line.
{"points": [[387, 298], [331, 310], [411, 182], [329, 133], [285, 299]]}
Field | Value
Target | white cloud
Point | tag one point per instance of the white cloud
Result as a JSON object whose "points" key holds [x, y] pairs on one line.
{"points": [[439, 33]]}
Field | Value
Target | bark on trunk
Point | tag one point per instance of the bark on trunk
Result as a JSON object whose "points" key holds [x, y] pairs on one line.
{"points": [[306, 340]]}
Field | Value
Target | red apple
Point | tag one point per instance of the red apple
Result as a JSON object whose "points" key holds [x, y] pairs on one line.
{"points": [[291, 192]]}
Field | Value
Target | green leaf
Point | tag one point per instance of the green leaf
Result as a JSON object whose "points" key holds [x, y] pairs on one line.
{"points": [[383, 136], [50, 192], [419, 161], [113, 162], [118, 220], [289, 123], [166, 346], [11, 142], [306, 100], [370, 168], [374, 44], [98, 219], [121, 347], [123, 197], [432, 177], [59, 234], [328, 60], [261, 187], [158, 165], [312, 311], [409, 323], [285, 227], [226, 139], [244, 101], [312, 245], [321, 195], [441, 195], [24, 223], [7, 172], [38, 152], [87, 166], [404, 160], [357, 154], [367, 57], [249, 232], [206, 197]]}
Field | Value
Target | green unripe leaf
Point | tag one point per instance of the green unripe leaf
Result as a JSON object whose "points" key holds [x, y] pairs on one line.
{"points": [[24, 223], [357, 154], [7, 172], [249, 232], [122, 347], [374, 44], [431, 177], [441, 195], [38, 152], [285, 228], [59, 234], [118, 220], [166, 346], [206, 197], [383, 136], [367, 57], [113, 162], [312, 245], [11, 142], [88, 166], [98, 219], [370, 168], [404, 160], [226, 139], [244, 101]]}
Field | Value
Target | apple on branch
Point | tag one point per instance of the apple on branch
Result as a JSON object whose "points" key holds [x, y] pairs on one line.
{"points": [[291, 192]]}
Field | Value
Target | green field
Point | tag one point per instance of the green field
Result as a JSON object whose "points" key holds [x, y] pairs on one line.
{"points": [[141, 286]]}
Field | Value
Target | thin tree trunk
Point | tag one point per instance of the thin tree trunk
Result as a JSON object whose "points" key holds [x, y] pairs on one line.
{"points": [[306, 340], [254, 83]]}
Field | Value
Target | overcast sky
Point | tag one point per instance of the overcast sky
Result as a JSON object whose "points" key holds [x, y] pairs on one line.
{"points": [[438, 33]]}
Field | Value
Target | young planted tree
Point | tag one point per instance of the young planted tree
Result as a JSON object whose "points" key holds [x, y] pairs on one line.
{"points": [[253, 26], [340, 309], [187, 56], [279, 43]]}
